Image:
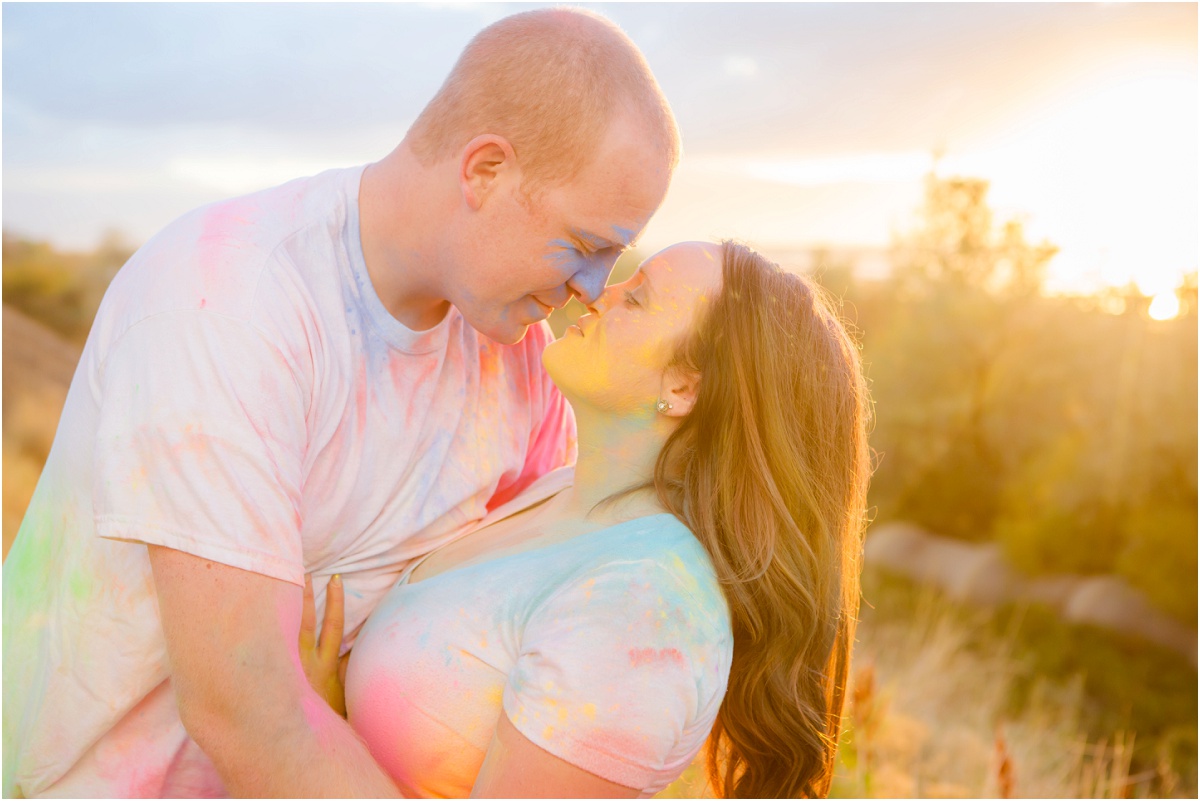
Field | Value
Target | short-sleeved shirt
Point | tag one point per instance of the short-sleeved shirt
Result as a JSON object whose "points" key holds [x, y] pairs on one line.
{"points": [[244, 396], [610, 650]]}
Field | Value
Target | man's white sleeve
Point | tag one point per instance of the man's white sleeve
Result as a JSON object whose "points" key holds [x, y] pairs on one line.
{"points": [[201, 443]]}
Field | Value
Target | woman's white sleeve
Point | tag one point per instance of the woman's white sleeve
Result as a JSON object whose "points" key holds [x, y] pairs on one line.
{"points": [[621, 673]]}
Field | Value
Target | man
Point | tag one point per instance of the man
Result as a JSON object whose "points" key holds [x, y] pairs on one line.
{"points": [[333, 376]]}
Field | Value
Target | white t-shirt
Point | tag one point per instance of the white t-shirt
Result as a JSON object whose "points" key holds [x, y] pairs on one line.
{"points": [[244, 396], [610, 650]]}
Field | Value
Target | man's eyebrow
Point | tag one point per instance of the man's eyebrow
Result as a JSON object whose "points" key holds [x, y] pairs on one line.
{"points": [[597, 241]]}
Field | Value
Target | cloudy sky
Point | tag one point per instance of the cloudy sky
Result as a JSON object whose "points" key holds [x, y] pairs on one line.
{"points": [[803, 124]]}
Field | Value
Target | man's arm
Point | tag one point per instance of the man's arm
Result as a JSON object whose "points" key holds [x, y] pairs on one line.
{"points": [[243, 696]]}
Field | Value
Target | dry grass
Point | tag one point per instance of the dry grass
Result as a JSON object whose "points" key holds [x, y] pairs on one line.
{"points": [[937, 725], [926, 718]]}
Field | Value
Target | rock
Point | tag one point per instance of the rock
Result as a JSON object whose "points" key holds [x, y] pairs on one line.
{"points": [[984, 577], [980, 574], [1110, 602]]}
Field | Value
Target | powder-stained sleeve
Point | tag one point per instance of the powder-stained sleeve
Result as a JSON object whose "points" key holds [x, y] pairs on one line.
{"points": [[621, 673], [201, 442]]}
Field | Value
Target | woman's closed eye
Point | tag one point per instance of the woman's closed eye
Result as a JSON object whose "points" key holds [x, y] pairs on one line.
{"points": [[630, 300]]}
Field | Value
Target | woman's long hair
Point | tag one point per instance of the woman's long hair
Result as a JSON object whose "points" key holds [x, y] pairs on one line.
{"points": [[770, 472]]}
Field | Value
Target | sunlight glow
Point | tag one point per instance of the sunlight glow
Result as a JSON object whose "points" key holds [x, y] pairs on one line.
{"points": [[1165, 306], [850, 168], [1106, 170]]}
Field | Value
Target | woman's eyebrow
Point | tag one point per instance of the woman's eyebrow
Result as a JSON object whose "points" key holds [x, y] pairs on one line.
{"points": [[645, 282]]}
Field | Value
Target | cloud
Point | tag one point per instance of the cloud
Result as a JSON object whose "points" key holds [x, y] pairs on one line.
{"points": [[271, 66], [740, 66], [797, 119]]}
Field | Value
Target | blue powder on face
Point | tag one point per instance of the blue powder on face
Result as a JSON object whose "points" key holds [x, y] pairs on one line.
{"points": [[589, 271]]}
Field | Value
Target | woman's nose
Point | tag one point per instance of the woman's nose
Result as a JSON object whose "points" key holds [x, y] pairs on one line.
{"points": [[603, 302]]}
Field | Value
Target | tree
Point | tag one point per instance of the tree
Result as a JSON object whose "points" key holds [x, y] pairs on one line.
{"points": [[963, 286]]}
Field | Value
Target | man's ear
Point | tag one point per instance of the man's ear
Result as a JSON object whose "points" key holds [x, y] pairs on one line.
{"points": [[679, 389], [486, 159]]}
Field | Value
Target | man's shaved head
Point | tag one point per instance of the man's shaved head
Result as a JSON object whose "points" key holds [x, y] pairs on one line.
{"points": [[549, 81]]}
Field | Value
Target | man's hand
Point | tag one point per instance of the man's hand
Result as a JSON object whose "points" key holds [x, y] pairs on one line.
{"points": [[242, 692], [320, 658]]}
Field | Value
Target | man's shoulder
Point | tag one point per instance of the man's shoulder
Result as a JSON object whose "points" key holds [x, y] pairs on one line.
{"points": [[215, 257]]}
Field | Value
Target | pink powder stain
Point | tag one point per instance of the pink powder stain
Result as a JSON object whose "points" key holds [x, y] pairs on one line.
{"points": [[203, 302], [221, 228], [403, 375], [361, 392], [631, 745], [648, 656]]}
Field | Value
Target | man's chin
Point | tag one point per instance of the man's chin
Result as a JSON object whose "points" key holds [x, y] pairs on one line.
{"points": [[504, 335]]}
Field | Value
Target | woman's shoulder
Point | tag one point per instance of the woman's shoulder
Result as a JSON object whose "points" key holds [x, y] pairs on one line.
{"points": [[658, 560]]}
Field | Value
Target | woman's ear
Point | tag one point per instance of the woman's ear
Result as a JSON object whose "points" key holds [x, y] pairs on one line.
{"points": [[679, 389], [486, 160]]}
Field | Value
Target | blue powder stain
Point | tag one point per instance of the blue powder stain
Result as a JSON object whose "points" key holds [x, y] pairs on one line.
{"points": [[624, 235]]}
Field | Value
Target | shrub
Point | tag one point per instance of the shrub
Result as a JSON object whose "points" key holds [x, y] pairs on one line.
{"points": [[1159, 558]]}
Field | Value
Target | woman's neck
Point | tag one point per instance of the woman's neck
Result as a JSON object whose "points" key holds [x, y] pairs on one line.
{"points": [[615, 453]]}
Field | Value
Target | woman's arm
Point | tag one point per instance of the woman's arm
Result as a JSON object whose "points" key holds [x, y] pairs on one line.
{"points": [[516, 768]]}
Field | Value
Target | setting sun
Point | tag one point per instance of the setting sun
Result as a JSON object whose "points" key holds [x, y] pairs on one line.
{"points": [[1164, 306]]}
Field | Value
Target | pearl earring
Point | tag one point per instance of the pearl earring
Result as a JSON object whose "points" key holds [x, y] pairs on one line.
{"points": [[663, 407]]}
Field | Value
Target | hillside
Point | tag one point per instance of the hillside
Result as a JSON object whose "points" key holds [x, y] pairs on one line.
{"points": [[38, 365]]}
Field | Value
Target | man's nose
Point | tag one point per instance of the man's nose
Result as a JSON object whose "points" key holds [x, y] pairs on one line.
{"points": [[588, 283]]}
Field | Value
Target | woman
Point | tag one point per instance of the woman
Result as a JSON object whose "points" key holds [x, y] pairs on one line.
{"points": [[590, 636]]}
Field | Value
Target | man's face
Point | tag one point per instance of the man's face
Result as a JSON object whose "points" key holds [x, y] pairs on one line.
{"points": [[529, 255]]}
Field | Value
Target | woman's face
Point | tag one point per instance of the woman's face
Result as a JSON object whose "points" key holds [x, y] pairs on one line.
{"points": [[615, 358]]}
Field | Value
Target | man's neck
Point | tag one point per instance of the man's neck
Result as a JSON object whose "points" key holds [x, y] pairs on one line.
{"points": [[401, 214]]}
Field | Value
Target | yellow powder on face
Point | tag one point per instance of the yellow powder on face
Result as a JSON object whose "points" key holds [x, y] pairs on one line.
{"points": [[548, 732], [590, 711]]}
